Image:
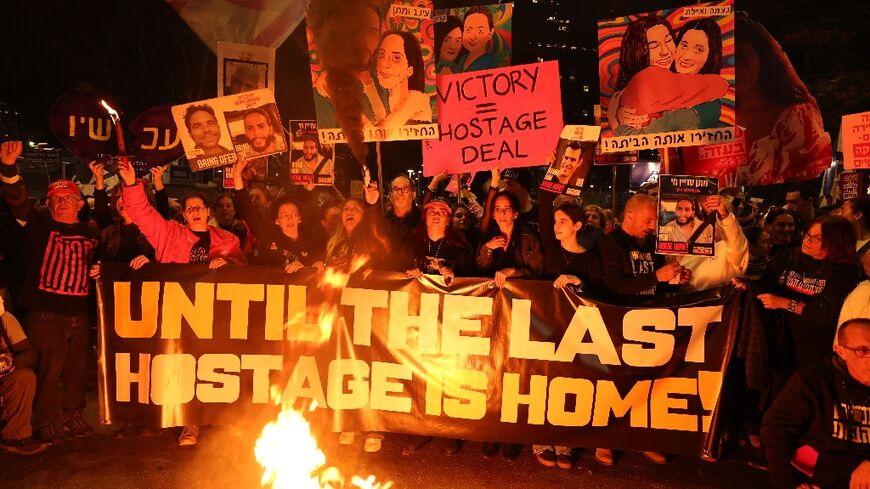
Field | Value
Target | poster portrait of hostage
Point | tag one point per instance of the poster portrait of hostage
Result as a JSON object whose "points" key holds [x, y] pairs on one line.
{"points": [[244, 76], [311, 162], [203, 133], [256, 131], [687, 226], [572, 160], [668, 71]]}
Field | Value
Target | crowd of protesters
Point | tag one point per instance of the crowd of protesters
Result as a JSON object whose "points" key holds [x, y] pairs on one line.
{"points": [[805, 272]]}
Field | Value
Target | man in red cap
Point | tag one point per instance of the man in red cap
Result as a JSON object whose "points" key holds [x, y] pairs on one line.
{"points": [[60, 251]]}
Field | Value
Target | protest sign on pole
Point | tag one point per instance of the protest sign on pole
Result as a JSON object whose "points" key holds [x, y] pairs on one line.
{"points": [[685, 227], [509, 116], [243, 68], [667, 78], [156, 141], [472, 38], [572, 160], [388, 93], [855, 131], [219, 131], [180, 344]]}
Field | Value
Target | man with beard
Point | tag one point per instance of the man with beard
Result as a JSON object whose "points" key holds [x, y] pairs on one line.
{"points": [[683, 227], [260, 132], [312, 168], [203, 128]]}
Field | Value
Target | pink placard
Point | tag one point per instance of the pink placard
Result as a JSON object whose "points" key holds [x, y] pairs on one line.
{"points": [[855, 130], [509, 116]]}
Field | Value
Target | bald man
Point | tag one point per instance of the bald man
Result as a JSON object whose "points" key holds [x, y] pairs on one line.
{"points": [[631, 268]]}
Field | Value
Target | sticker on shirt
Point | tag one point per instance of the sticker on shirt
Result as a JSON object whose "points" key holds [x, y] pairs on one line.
{"points": [[852, 423], [65, 265], [805, 285], [641, 264]]}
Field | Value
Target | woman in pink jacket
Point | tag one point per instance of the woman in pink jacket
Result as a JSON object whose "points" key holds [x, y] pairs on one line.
{"points": [[193, 242]]}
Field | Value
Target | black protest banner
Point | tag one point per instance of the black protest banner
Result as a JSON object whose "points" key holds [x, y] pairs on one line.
{"points": [[511, 116], [181, 344]]}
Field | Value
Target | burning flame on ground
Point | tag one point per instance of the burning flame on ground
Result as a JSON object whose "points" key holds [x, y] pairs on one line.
{"points": [[286, 448]]}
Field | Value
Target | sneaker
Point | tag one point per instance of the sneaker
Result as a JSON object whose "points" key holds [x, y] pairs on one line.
{"points": [[78, 427], [24, 446], [545, 455], [372, 445], [51, 433], [346, 437], [656, 457], [604, 456], [563, 457], [188, 436]]}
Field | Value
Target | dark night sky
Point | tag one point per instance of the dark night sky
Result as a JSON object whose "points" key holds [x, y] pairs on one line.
{"points": [[141, 52]]}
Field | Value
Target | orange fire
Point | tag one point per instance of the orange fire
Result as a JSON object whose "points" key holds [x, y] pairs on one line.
{"points": [[286, 448]]}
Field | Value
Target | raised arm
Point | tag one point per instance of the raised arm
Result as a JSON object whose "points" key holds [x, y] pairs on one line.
{"points": [[657, 90], [13, 186], [154, 226]]}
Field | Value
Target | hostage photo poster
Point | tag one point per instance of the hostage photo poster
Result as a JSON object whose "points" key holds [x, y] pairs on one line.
{"points": [[684, 226]]}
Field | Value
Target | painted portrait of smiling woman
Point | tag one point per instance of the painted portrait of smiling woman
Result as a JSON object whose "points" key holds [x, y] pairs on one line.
{"points": [[399, 68], [668, 82]]}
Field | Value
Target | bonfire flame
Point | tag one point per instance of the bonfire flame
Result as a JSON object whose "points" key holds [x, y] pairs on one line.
{"points": [[286, 448]]}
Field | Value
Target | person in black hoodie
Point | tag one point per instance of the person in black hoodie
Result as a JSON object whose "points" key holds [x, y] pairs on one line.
{"points": [[817, 433]]}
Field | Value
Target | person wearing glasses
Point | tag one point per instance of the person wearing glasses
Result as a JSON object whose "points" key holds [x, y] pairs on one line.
{"points": [[402, 218], [59, 251], [803, 290], [173, 242], [817, 433]]}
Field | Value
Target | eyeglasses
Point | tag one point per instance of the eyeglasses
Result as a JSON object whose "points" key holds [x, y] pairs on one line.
{"points": [[65, 199], [812, 238], [193, 209], [401, 190], [860, 352]]}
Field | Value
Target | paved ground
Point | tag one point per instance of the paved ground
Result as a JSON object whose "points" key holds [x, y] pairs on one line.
{"points": [[222, 460]]}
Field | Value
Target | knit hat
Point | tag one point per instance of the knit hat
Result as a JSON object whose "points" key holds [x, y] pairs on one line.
{"points": [[437, 203], [520, 175], [63, 187]]}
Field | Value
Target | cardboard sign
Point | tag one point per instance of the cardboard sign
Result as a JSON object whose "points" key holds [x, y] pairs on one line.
{"points": [[472, 38], [667, 78], [243, 68], [855, 130], [217, 132], [716, 160], [851, 185], [572, 160], [311, 162], [393, 81], [508, 116], [684, 228]]}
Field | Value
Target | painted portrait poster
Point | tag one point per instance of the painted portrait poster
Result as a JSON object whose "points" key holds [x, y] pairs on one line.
{"points": [[667, 78], [572, 160], [243, 68], [785, 136], [311, 162], [472, 38], [393, 81], [255, 125], [686, 225]]}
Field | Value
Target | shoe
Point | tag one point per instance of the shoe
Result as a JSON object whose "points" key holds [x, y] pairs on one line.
{"points": [[372, 445], [656, 457], [24, 446], [51, 433], [417, 442], [511, 451], [78, 427], [453, 447], [490, 449], [563, 458], [545, 455], [604, 456], [188, 436], [346, 438]]}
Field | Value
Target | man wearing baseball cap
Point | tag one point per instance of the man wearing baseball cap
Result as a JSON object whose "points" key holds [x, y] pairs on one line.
{"points": [[59, 253]]}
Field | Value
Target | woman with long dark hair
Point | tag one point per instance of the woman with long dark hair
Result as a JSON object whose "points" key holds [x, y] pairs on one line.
{"points": [[438, 249], [448, 46], [399, 70]]}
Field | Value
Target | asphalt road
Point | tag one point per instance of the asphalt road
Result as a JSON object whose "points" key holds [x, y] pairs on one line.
{"points": [[225, 460]]}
